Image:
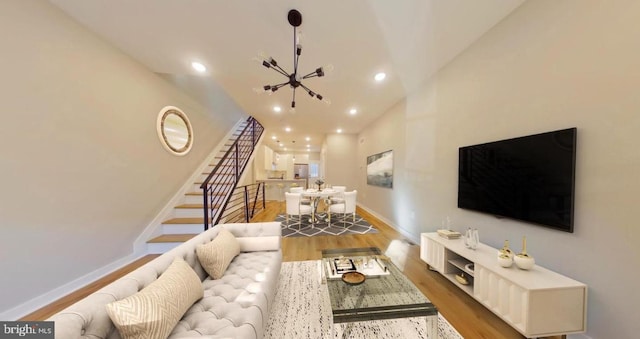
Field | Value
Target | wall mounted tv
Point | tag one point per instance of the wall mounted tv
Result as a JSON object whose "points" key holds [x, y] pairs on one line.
{"points": [[530, 178]]}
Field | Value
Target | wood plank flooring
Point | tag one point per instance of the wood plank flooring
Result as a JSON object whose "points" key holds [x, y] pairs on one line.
{"points": [[469, 317]]}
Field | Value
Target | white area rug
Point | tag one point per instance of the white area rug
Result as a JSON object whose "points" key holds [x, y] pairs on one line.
{"points": [[302, 310]]}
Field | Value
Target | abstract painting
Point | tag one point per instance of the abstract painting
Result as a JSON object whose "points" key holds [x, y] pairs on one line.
{"points": [[380, 169]]}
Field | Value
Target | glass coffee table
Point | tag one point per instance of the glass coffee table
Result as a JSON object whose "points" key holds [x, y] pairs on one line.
{"points": [[385, 293]]}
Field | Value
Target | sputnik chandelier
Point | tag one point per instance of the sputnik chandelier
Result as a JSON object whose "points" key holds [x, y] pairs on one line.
{"points": [[293, 79]]}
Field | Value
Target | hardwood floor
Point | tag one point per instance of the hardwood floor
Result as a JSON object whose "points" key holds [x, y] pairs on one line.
{"points": [[469, 317]]}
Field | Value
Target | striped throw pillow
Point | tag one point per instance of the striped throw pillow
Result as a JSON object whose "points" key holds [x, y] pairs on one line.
{"points": [[156, 309]]}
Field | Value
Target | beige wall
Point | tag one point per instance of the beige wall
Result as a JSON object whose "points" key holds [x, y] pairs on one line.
{"points": [[552, 64], [341, 167], [82, 171]]}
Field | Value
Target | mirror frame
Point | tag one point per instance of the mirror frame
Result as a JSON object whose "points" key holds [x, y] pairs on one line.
{"points": [[164, 140]]}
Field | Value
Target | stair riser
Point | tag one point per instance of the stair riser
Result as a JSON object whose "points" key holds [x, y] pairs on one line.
{"points": [[188, 212], [159, 248], [182, 228], [193, 199]]}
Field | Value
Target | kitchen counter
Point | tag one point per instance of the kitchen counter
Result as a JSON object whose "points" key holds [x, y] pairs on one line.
{"points": [[273, 191]]}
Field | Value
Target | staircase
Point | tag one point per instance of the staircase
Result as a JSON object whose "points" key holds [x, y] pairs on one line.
{"points": [[223, 201]]}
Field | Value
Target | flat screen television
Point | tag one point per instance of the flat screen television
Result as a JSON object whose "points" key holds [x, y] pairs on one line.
{"points": [[530, 178]]}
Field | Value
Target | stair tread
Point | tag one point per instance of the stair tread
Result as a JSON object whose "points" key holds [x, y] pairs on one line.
{"points": [[200, 206], [184, 221], [200, 193], [171, 238]]}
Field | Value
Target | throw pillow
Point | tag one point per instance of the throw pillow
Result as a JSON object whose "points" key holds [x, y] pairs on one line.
{"points": [[156, 309], [216, 256]]}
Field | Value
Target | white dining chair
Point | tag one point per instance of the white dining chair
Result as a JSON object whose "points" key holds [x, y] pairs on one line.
{"points": [[299, 189], [294, 207], [348, 206], [339, 196]]}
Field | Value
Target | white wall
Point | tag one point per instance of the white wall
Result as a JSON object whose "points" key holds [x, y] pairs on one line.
{"points": [[82, 171], [552, 64]]}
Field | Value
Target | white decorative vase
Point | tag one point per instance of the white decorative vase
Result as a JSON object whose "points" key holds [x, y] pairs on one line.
{"points": [[523, 260], [505, 260]]}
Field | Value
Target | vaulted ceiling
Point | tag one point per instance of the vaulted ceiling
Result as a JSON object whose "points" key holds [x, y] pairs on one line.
{"points": [[409, 40]]}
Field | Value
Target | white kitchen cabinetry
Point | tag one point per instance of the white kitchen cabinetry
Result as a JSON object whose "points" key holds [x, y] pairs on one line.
{"points": [[268, 158], [281, 161], [537, 302]]}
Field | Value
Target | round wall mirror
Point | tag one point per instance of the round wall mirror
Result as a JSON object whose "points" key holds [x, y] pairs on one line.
{"points": [[174, 130]]}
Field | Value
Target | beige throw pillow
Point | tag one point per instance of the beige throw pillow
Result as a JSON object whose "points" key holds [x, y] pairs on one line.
{"points": [[156, 309], [216, 256]]}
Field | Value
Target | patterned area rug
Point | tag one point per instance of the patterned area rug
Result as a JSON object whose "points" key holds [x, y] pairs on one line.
{"points": [[339, 225], [302, 310]]}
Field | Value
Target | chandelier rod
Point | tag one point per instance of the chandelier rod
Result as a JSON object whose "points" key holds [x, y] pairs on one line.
{"points": [[296, 55]]}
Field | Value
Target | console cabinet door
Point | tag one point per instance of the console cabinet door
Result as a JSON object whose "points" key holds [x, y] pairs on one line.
{"points": [[432, 253]]}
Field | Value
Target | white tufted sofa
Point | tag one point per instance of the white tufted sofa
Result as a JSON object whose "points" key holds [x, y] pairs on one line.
{"points": [[234, 306]]}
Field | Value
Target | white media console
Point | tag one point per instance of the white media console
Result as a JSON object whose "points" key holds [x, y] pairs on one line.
{"points": [[537, 302]]}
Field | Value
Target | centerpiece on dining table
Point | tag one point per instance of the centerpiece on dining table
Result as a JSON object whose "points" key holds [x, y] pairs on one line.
{"points": [[319, 182]]}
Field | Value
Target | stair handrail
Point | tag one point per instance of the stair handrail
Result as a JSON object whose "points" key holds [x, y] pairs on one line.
{"points": [[232, 175]]}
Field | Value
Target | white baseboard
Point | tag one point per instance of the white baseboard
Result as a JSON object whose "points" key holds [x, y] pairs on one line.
{"points": [[578, 336], [414, 238], [55, 294]]}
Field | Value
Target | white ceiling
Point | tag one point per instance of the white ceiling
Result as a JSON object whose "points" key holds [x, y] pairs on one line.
{"points": [[409, 40]]}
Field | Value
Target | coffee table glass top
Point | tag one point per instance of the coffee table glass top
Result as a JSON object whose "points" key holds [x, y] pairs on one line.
{"points": [[381, 296]]}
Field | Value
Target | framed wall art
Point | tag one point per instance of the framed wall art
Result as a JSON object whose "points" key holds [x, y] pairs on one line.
{"points": [[380, 169]]}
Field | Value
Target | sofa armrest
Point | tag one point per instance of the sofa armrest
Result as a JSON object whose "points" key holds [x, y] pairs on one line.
{"points": [[261, 236]]}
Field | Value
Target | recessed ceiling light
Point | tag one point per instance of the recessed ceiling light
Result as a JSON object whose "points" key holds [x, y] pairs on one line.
{"points": [[277, 108], [308, 146], [281, 145], [339, 130], [288, 129], [273, 137], [198, 67], [353, 111], [307, 139], [284, 149], [380, 76]]}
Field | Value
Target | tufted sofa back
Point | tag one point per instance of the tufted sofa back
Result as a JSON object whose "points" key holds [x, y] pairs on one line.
{"points": [[88, 318]]}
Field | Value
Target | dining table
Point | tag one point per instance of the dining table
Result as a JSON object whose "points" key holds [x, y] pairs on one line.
{"points": [[315, 196]]}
